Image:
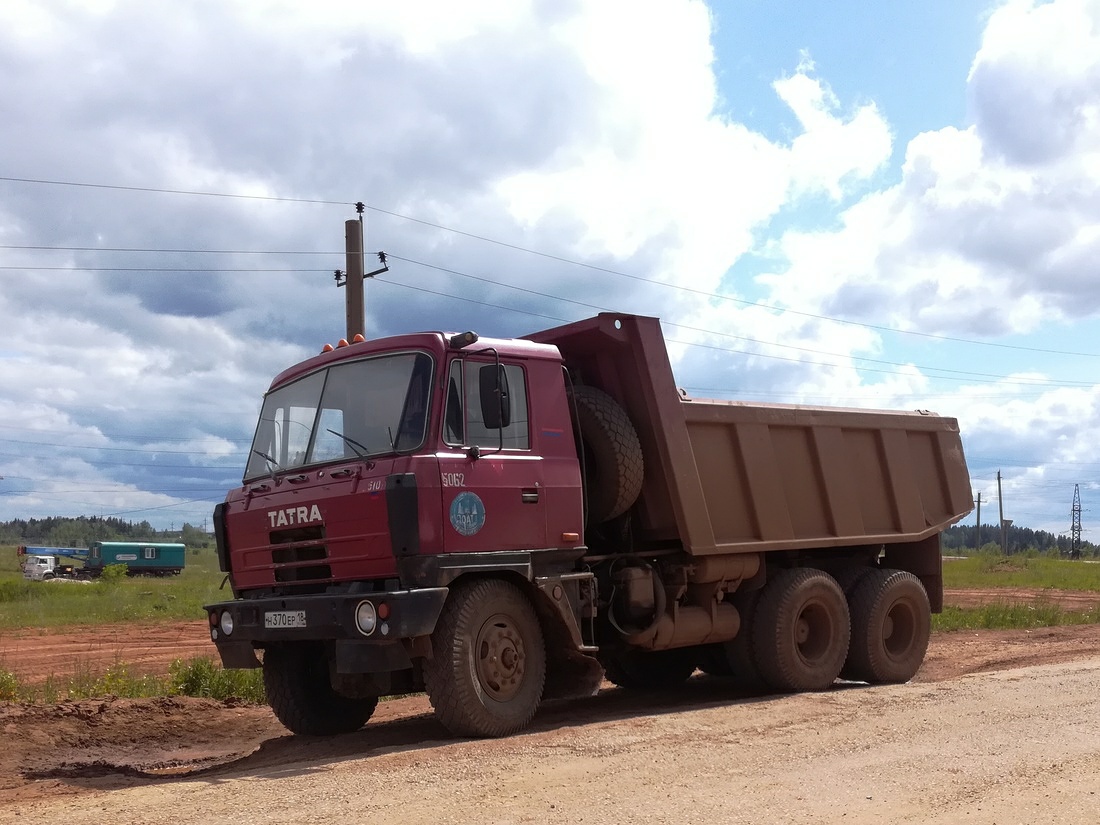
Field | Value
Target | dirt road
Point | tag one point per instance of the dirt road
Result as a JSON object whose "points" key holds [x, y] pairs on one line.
{"points": [[1019, 745], [999, 726]]}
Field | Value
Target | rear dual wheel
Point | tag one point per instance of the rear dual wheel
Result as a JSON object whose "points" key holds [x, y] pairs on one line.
{"points": [[801, 630], [891, 626]]}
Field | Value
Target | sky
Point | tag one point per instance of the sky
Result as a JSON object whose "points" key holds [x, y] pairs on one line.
{"points": [[891, 205]]}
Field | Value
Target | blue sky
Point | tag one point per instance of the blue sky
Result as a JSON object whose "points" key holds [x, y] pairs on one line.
{"points": [[879, 205]]}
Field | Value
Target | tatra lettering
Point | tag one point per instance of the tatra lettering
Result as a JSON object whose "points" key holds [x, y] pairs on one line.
{"points": [[294, 515]]}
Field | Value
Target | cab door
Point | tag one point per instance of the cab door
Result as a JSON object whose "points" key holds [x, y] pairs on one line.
{"points": [[490, 478]]}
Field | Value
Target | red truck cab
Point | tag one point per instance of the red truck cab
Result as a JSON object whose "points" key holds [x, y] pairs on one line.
{"points": [[377, 463]]}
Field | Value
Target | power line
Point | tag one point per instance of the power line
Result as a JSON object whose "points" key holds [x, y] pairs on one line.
{"points": [[957, 375], [176, 269], [161, 191], [559, 259]]}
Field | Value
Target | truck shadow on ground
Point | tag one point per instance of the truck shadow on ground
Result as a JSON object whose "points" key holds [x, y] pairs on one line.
{"points": [[293, 755]]}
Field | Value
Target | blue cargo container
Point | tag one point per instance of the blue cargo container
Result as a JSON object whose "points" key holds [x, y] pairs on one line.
{"points": [[140, 558]]}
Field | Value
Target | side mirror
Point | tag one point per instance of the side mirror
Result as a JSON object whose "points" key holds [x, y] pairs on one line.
{"points": [[496, 408]]}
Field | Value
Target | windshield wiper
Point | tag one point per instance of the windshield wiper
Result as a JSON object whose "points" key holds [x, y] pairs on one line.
{"points": [[267, 458], [351, 442], [272, 465]]}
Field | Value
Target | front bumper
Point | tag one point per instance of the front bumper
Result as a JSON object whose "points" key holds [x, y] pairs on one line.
{"points": [[329, 617]]}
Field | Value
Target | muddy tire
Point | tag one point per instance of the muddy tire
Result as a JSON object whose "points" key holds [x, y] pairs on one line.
{"points": [[891, 625], [612, 454], [488, 668], [801, 630], [298, 689], [649, 669]]}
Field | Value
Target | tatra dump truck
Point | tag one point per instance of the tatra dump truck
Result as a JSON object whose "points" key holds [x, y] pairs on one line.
{"points": [[498, 522]]}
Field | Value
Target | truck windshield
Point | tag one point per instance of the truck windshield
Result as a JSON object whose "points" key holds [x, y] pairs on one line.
{"points": [[352, 409]]}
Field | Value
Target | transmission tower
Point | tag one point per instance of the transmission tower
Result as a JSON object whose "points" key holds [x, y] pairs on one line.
{"points": [[1075, 528]]}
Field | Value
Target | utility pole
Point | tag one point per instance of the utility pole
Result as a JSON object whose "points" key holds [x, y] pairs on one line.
{"points": [[1075, 528], [355, 275], [353, 246], [978, 541], [1001, 508]]}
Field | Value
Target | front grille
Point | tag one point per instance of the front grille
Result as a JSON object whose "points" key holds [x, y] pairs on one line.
{"points": [[300, 545], [303, 574], [290, 555]]}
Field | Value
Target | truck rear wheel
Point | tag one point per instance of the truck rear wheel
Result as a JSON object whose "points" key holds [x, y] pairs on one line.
{"points": [[298, 689], [649, 669], [488, 668], [801, 630], [891, 625], [613, 462]]}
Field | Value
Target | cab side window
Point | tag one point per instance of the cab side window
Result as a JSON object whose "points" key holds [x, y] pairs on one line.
{"points": [[487, 406]]}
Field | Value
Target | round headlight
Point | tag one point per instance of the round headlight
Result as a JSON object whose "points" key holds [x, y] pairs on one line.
{"points": [[366, 618], [226, 623]]}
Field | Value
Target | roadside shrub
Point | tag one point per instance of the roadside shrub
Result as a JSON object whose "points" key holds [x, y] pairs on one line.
{"points": [[113, 574], [9, 686], [203, 678]]}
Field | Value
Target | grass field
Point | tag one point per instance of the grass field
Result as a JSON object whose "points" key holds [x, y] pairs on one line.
{"points": [[1021, 571], [39, 604]]}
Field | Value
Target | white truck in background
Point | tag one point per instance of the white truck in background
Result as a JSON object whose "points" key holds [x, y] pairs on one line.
{"points": [[57, 563]]}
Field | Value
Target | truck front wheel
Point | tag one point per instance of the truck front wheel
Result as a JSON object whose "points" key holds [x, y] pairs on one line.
{"points": [[488, 667], [801, 630], [300, 693], [891, 625]]}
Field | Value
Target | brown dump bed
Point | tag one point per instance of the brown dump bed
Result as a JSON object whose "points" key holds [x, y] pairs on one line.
{"points": [[729, 477]]}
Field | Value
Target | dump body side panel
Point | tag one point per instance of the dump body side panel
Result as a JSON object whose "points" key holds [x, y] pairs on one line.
{"points": [[779, 477], [728, 477]]}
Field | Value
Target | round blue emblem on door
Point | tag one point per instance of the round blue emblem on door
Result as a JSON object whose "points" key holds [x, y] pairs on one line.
{"points": [[467, 513]]}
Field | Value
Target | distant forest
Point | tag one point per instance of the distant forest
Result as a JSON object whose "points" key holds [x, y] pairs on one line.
{"points": [[1020, 540], [83, 530]]}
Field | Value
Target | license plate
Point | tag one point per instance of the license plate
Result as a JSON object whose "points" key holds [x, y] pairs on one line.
{"points": [[284, 618]]}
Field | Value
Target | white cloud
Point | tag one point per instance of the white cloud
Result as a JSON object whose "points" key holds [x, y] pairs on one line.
{"points": [[997, 218]]}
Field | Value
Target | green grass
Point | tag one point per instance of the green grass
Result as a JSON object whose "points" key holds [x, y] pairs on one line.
{"points": [[196, 677], [987, 570], [51, 604], [1011, 616]]}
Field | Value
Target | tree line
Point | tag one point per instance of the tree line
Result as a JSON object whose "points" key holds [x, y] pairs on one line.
{"points": [[81, 531], [1020, 540]]}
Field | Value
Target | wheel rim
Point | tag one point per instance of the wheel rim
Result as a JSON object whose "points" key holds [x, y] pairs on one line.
{"points": [[500, 658], [813, 633], [899, 628]]}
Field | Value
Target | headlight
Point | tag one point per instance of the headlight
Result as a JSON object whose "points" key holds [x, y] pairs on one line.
{"points": [[366, 618], [226, 623]]}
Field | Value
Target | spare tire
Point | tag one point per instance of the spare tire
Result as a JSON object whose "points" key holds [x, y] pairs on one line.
{"points": [[613, 465]]}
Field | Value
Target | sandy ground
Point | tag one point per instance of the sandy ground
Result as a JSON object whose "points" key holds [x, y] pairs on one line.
{"points": [[999, 726]]}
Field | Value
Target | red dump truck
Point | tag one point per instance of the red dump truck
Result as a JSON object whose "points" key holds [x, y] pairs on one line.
{"points": [[498, 522]]}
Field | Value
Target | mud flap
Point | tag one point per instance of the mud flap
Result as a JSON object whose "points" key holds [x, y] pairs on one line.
{"points": [[923, 559]]}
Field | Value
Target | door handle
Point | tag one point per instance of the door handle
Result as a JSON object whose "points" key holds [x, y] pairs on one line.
{"points": [[529, 496]]}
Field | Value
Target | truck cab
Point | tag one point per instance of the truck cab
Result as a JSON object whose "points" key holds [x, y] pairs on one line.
{"points": [[44, 568], [373, 459]]}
